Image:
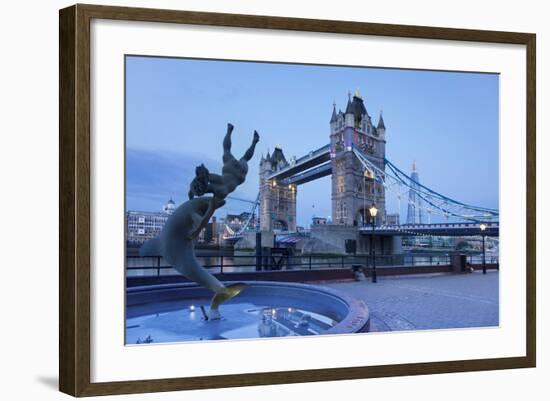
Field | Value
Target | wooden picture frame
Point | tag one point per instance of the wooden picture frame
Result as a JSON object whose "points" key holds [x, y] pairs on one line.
{"points": [[75, 208]]}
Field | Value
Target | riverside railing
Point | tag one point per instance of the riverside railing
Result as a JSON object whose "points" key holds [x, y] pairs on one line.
{"points": [[156, 266]]}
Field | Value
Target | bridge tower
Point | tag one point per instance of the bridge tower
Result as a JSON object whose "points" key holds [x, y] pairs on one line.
{"points": [[352, 192], [277, 201]]}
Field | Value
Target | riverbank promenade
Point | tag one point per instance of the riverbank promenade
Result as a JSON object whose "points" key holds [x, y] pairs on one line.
{"points": [[424, 302]]}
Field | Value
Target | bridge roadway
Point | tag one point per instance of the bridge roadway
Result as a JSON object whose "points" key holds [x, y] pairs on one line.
{"points": [[320, 159], [310, 175], [440, 229]]}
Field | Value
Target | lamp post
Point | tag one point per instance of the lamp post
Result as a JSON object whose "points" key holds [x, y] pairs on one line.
{"points": [[373, 211], [483, 227]]}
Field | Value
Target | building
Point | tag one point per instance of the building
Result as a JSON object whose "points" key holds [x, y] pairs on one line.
{"points": [[235, 223], [354, 191], [317, 221], [210, 233], [142, 226], [429, 241], [278, 202], [237, 219], [414, 209], [392, 219]]}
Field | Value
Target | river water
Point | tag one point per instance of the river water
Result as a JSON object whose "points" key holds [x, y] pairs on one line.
{"points": [[145, 266]]}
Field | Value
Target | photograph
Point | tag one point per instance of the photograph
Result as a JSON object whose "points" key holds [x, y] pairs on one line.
{"points": [[275, 200], [270, 199]]}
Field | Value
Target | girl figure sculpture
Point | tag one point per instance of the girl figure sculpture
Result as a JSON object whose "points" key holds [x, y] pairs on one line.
{"points": [[233, 172], [176, 242]]}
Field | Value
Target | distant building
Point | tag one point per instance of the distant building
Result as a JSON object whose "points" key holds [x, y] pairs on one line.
{"points": [[234, 223], [414, 209], [392, 219], [318, 221], [169, 207], [237, 219], [143, 226], [429, 241], [209, 234]]}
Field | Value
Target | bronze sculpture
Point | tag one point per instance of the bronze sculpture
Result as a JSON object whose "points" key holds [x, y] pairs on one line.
{"points": [[176, 242]]}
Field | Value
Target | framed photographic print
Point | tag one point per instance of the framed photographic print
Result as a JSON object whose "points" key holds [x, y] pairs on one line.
{"points": [[250, 200]]}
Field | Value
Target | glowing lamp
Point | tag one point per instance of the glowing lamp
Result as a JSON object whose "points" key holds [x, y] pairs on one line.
{"points": [[373, 211]]}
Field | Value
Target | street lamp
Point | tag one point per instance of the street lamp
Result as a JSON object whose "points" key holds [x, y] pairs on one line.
{"points": [[483, 227], [373, 211]]}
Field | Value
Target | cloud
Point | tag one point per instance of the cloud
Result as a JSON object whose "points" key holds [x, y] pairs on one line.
{"points": [[152, 177]]}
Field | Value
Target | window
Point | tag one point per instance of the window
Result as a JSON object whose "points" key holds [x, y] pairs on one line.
{"points": [[341, 211], [340, 184]]}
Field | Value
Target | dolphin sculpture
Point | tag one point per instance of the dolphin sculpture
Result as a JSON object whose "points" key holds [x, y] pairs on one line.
{"points": [[176, 242]]}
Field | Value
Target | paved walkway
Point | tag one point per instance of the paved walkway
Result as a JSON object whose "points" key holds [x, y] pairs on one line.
{"points": [[429, 302]]}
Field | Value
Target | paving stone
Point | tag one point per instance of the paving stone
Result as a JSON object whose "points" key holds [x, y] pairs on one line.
{"points": [[429, 302]]}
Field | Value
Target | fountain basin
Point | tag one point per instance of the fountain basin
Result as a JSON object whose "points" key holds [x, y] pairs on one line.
{"points": [[172, 313]]}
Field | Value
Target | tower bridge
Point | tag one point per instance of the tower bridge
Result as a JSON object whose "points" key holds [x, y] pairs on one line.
{"points": [[355, 158], [353, 191]]}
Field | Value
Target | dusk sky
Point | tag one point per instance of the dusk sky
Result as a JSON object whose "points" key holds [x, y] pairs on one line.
{"points": [[177, 111]]}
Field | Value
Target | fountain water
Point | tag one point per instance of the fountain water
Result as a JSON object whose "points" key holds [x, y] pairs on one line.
{"points": [[172, 313]]}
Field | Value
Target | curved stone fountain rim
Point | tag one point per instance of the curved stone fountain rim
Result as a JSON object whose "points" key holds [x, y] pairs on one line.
{"points": [[357, 319]]}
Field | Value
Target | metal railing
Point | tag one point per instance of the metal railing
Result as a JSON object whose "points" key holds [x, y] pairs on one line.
{"points": [[156, 266]]}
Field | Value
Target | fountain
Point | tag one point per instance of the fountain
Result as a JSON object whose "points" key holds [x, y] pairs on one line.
{"points": [[173, 313], [178, 312]]}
